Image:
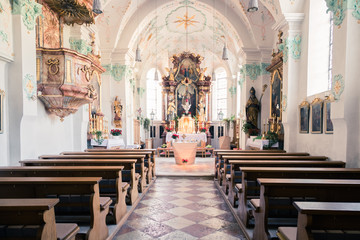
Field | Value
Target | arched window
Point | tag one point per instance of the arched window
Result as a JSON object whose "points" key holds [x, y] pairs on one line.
{"points": [[153, 95], [319, 48], [220, 93]]}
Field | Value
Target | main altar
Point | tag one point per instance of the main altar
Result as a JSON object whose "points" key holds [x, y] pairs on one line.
{"points": [[187, 96]]}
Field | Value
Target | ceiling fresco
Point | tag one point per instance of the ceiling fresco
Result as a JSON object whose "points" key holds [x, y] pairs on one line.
{"points": [[170, 27]]}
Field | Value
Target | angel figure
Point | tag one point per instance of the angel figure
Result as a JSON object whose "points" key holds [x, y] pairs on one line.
{"points": [[171, 72], [202, 74], [171, 105], [201, 106]]}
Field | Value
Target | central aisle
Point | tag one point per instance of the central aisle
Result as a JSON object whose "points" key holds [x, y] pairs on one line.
{"points": [[181, 208]]}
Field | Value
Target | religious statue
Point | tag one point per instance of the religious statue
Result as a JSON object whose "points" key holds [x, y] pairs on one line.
{"points": [[171, 73], [201, 107], [118, 112], [202, 74], [252, 109], [171, 106]]}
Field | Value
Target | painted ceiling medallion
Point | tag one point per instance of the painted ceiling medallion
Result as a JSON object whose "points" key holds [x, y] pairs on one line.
{"points": [[186, 21], [72, 11], [190, 17]]}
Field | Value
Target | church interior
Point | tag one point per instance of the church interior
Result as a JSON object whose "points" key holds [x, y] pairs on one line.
{"points": [[179, 119]]}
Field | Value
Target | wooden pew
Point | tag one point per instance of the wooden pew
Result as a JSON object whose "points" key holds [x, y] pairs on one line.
{"points": [[250, 189], [330, 190], [219, 161], [128, 173], [219, 152], [225, 176], [33, 218], [153, 152], [139, 160], [40, 187], [147, 161], [318, 220], [110, 185]]}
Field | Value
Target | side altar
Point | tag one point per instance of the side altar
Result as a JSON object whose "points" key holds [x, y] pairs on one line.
{"points": [[187, 95]]}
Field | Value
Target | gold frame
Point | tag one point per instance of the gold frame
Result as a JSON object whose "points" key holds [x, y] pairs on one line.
{"points": [[281, 92], [315, 102], [327, 100], [2, 95], [302, 105]]}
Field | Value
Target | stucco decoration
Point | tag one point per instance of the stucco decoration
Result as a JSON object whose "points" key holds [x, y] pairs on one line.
{"points": [[337, 86], [263, 68], [339, 8], [5, 29], [80, 46], [242, 77], [118, 71], [30, 86], [284, 47], [29, 10], [295, 46], [141, 91], [232, 91], [252, 71], [284, 103]]}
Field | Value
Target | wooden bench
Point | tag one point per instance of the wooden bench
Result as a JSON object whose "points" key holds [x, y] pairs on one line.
{"points": [[33, 218], [140, 163], [148, 163], [219, 160], [248, 188], [153, 152], [111, 184], [128, 173], [277, 196], [91, 204], [324, 220], [225, 175]]}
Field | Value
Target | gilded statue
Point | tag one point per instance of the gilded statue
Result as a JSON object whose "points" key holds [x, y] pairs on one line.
{"points": [[171, 106], [252, 109], [171, 73], [201, 106], [202, 74], [118, 112]]}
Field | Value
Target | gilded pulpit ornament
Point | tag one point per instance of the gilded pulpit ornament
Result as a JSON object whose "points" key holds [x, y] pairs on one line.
{"points": [[118, 112], [53, 67]]}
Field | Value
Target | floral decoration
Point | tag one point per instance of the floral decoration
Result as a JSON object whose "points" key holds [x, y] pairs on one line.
{"points": [[295, 46], [338, 86], [30, 86], [185, 161], [284, 103], [116, 132], [202, 129], [175, 136]]}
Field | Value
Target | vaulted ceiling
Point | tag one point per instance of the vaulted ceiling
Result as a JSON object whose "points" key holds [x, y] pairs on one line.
{"points": [[163, 27]]}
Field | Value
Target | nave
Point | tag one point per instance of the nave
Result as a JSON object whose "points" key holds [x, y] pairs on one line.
{"points": [[181, 208]]}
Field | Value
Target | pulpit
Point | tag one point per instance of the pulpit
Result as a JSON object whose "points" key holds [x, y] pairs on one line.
{"points": [[186, 124]]}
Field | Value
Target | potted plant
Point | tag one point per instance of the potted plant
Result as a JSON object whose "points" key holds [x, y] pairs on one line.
{"points": [[203, 129], [250, 129], [175, 136], [116, 133], [98, 137]]}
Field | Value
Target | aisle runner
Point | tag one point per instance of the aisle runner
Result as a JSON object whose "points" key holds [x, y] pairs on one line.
{"points": [[181, 209], [167, 167]]}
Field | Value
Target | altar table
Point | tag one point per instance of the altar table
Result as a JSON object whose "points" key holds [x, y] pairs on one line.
{"points": [[259, 143], [194, 137], [109, 143], [184, 151]]}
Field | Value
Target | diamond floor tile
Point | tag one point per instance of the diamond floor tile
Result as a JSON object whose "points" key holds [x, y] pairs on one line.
{"points": [[181, 208]]}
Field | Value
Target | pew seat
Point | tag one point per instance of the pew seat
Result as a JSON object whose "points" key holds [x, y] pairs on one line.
{"points": [[33, 218]]}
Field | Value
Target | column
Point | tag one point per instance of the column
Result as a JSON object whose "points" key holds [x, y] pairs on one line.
{"points": [[291, 77]]}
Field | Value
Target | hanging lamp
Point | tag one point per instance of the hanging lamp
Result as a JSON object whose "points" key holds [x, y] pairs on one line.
{"points": [[97, 7], [138, 54], [225, 55], [213, 76], [156, 77], [253, 6]]}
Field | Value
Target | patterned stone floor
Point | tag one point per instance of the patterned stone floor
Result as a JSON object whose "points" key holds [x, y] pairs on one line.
{"points": [[178, 208]]}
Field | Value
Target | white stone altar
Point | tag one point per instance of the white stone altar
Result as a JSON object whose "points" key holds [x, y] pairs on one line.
{"points": [[258, 143], [195, 137]]}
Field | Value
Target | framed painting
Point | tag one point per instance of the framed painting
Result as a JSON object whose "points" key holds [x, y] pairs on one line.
{"points": [[2, 95], [304, 112], [316, 115], [276, 95], [328, 125]]}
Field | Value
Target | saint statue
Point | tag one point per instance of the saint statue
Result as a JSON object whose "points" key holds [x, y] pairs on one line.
{"points": [[201, 107], [252, 109], [202, 74], [171, 106], [118, 112]]}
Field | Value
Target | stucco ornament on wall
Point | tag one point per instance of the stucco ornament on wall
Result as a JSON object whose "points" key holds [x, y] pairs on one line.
{"points": [[339, 8], [242, 77], [284, 103], [356, 12], [80, 46], [337, 86], [140, 91], [29, 10], [118, 71], [295, 46], [252, 71], [284, 47], [232, 90], [30, 86]]}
